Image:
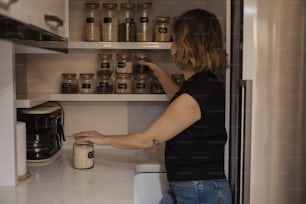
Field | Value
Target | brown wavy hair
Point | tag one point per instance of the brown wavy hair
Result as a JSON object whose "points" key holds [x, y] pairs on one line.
{"points": [[198, 38]]}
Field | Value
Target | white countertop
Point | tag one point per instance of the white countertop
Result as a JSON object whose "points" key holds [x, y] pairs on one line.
{"points": [[111, 181]]}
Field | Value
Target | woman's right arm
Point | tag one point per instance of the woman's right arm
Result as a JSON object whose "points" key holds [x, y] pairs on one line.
{"points": [[169, 86]]}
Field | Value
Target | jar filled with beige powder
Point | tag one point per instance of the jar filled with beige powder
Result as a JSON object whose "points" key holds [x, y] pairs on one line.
{"points": [[83, 155]]}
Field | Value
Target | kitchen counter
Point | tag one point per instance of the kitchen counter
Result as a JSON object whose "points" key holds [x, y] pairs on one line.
{"points": [[111, 181]]}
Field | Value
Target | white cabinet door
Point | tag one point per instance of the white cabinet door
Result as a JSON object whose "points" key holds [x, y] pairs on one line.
{"points": [[49, 15]]}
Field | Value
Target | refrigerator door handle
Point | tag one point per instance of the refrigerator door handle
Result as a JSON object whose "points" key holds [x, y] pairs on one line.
{"points": [[246, 132]]}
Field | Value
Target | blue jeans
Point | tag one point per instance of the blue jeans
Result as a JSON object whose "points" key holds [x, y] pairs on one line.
{"points": [[215, 191]]}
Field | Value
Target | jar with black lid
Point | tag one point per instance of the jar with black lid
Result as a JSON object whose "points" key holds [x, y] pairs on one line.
{"points": [[109, 22], [104, 83], [124, 63], [92, 30], [69, 83], [127, 25], [140, 68], [162, 29], [86, 83], [142, 83], [105, 62]]}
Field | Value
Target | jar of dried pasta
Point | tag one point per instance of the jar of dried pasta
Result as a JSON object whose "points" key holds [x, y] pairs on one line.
{"points": [[123, 63], [123, 83], [162, 29], [92, 30]]}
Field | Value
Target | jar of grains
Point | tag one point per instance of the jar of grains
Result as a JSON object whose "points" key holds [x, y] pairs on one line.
{"points": [[144, 23], [69, 83], [124, 63], [156, 87], [105, 62], [104, 83], [109, 22], [142, 84], [86, 83], [92, 30], [162, 29], [123, 83], [178, 79], [83, 155], [127, 26], [139, 68]]}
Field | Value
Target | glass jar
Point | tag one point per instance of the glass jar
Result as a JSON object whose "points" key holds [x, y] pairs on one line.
{"points": [[162, 29], [83, 155], [156, 87], [178, 79], [142, 84], [144, 24], [127, 26], [104, 83], [92, 30], [86, 83], [69, 83], [109, 23], [124, 63], [105, 62], [123, 84], [139, 68]]}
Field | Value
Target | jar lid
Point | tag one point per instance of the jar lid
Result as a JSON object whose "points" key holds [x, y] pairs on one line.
{"points": [[84, 143], [129, 6], [92, 5], [87, 75], [124, 55], [105, 55], [69, 75], [109, 6], [145, 5], [162, 18]]}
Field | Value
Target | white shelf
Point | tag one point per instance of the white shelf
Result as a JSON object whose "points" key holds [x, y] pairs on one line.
{"points": [[31, 100], [120, 45]]}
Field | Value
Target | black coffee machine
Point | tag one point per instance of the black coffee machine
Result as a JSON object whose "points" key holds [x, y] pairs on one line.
{"points": [[45, 130]]}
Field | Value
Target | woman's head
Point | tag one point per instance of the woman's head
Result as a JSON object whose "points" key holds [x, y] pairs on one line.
{"points": [[198, 42]]}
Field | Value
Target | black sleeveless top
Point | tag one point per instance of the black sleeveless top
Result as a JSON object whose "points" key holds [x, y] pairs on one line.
{"points": [[197, 153]]}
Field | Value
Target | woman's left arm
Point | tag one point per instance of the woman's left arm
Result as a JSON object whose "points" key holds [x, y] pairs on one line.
{"points": [[179, 115]]}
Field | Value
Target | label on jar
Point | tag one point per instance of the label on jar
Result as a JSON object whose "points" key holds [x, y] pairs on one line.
{"points": [[91, 154], [144, 19], [122, 86], [129, 20], [107, 20], [140, 85], [103, 84], [121, 64], [90, 20], [162, 30], [86, 86], [105, 65], [66, 85]]}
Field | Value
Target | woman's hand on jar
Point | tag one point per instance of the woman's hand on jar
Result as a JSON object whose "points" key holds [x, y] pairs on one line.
{"points": [[90, 136], [157, 70]]}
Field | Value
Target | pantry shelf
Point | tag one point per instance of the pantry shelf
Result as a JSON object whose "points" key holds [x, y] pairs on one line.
{"points": [[119, 45], [31, 100]]}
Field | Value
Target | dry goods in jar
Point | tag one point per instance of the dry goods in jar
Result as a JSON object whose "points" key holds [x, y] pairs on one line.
{"points": [[124, 63], [109, 23], [142, 84], [69, 83], [87, 84], [104, 83], [162, 29], [83, 155], [92, 30], [124, 83]]}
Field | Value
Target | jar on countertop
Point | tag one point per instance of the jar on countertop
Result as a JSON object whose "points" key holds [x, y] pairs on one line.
{"points": [[105, 62], [83, 155], [162, 29], [86, 83], [123, 83], [142, 83], [109, 22], [69, 83], [104, 83], [124, 63], [92, 30]]}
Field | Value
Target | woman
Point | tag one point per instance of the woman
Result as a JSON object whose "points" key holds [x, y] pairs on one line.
{"points": [[193, 124]]}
